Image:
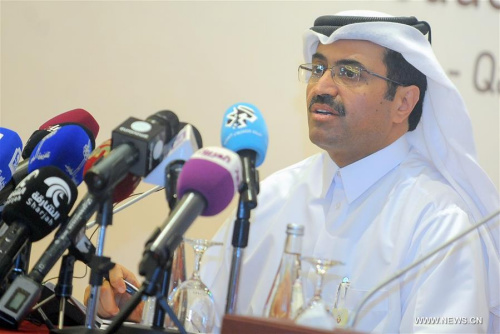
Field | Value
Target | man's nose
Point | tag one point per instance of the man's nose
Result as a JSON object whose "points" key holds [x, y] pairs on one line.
{"points": [[327, 84]]}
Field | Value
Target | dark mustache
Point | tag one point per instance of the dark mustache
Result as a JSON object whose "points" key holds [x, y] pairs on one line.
{"points": [[329, 101]]}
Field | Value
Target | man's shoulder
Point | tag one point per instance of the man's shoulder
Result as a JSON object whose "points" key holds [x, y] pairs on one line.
{"points": [[420, 179], [297, 170]]}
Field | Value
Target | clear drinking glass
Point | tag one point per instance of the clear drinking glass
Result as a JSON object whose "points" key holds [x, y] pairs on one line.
{"points": [[192, 301], [315, 311]]}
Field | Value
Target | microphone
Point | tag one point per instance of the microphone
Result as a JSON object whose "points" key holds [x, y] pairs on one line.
{"points": [[10, 154], [67, 148], [76, 116], [123, 189], [206, 186], [33, 210], [137, 147], [181, 147], [172, 172], [352, 319], [125, 155], [25, 290], [71, 233], [168, 119], [174, 168], [245, 132], [99, 265], [79, 117]]}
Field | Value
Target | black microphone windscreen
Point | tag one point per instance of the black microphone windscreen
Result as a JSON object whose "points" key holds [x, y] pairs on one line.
{"points": [[170, 119], [42, 200], [33, 140]]}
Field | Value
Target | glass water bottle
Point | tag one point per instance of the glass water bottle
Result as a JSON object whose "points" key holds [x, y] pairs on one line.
{"points": [[286, 296]]}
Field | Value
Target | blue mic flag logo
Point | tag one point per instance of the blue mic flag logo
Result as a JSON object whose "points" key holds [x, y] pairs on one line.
{"points": [[240, 116], [244, 128]]}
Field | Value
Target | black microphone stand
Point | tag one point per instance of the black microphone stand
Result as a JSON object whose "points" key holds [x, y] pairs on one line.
{"points": [[64, 286], [99, 264], [62, 292], [153, 269], [99, 267], [249, 190], [21, 264], [158, 323], [102, 187], [159, 313], [172, 172]]}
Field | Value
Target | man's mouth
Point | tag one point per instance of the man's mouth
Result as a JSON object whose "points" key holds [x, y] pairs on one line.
{"points": [[323, 112], [326, 105], [322, 109]]}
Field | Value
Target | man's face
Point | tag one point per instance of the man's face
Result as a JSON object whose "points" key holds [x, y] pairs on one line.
{"points": [[358, 120]]}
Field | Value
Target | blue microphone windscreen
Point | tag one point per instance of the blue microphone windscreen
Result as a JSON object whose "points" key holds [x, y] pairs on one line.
{"points": [[11, 147], [244, 128], [67, 148]]}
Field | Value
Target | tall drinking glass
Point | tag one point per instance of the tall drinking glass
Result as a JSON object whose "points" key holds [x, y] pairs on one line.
{"points": [[192, 301]]}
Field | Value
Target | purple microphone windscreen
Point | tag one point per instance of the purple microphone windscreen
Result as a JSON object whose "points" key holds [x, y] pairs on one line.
{"points": [[215, 174], [11, 147], [68, 148], [42, 200]]}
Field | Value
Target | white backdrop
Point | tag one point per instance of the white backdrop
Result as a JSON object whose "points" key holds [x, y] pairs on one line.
{"points": [[132, 58]]}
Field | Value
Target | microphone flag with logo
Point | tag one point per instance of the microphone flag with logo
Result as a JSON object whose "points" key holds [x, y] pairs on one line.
{"points": [[39, 203], [245, 132], [67, 148], [206, 186], [244, 128], [214, 173]]}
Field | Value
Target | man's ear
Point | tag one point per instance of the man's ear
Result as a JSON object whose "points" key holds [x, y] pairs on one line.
{"points": [[406, 98]]}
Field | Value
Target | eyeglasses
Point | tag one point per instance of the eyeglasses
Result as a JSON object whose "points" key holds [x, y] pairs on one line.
{"points": [[347, 75]]}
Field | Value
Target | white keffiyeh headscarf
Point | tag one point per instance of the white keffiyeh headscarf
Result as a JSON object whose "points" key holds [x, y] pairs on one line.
{"points": [[444, 133]]}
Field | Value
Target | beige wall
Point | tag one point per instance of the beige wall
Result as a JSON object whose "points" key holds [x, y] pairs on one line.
{"points": [[132, 58]]}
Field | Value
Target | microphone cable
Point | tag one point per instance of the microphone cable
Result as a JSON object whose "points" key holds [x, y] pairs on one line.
{"points": [[129, 203]]}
